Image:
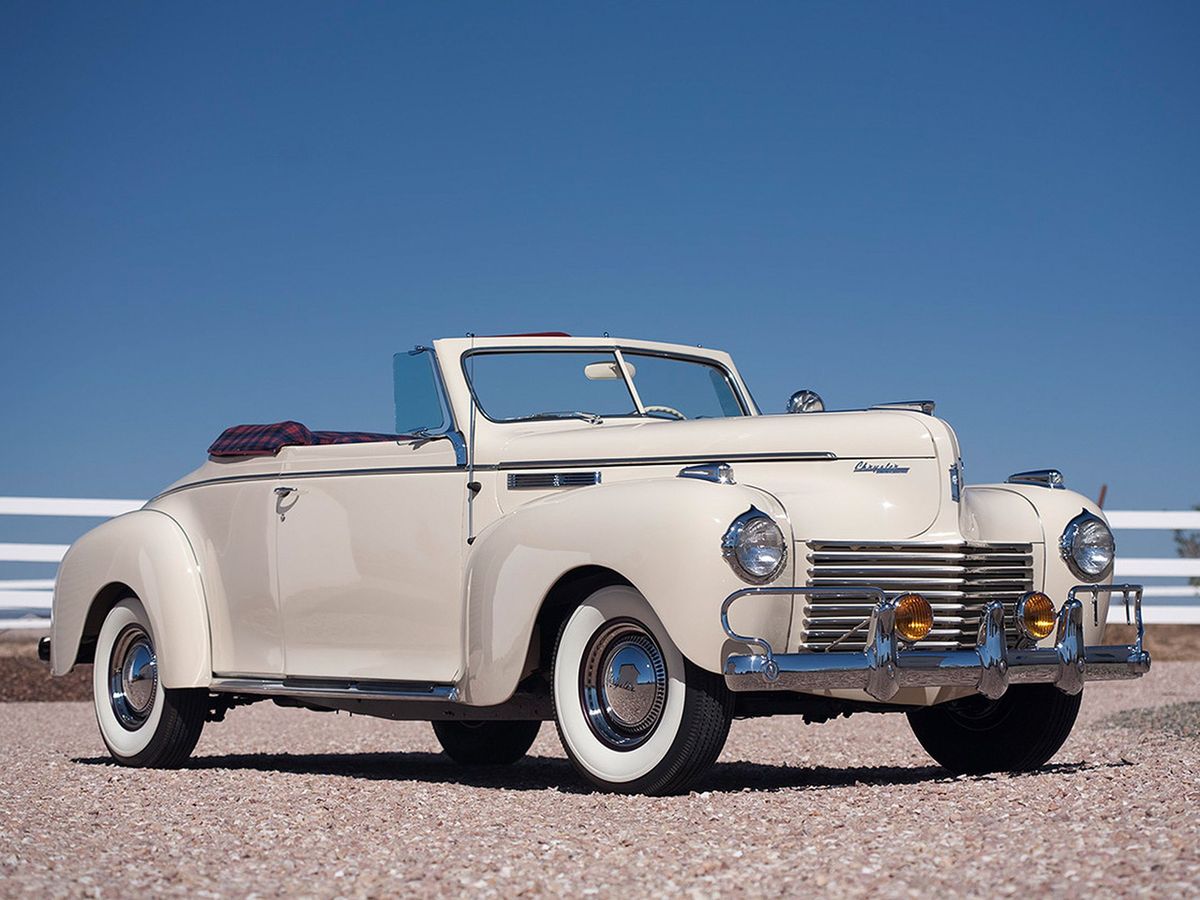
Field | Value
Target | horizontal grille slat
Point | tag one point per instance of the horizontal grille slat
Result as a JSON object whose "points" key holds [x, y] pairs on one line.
{"points": [[957, 579]]}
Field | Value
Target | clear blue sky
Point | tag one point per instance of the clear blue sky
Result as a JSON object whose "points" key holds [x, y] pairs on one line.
{"points": [[220, 213]]}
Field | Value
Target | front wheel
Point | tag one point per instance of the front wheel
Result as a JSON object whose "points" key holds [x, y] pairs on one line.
{"points": [[1019, 732], [486, 743], [142, 723], [633, 715]]}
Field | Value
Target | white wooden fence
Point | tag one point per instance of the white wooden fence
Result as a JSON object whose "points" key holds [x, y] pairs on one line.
{"points": [[26, 603]]}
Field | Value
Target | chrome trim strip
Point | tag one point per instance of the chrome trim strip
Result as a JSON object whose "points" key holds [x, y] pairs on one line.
{"points": [[459, 445], [317, 688], [492, 467], [666, 460], [330, 473]]}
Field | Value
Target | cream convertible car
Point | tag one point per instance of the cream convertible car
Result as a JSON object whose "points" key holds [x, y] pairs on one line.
{"points": [[606, 533]]}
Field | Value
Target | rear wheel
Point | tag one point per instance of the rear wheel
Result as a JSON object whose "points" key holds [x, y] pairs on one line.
{"points": [[633, 715], [142, 723], [1017, 733], [486, 743]]}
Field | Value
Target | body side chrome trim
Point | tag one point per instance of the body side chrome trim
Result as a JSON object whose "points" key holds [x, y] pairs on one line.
{"points": [[335, 688], [514, 464], [329, 473], [665, 460]]}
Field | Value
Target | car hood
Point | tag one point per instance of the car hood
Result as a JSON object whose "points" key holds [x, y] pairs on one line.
{"points": [[870, 475]]}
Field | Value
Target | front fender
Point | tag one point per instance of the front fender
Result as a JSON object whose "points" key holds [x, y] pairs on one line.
{"points": [[148, 552], [663, 535], [1039, 515]]}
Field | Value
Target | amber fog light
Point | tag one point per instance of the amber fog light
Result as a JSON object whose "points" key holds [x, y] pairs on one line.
{"points": [[1035, 615], [914, 617]]}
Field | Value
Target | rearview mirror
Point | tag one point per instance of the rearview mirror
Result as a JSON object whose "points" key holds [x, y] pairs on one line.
{"points": [[606, 371]]}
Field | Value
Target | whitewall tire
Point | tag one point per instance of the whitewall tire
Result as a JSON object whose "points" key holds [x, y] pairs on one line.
{"points": [[633, 714], [142, 723]]}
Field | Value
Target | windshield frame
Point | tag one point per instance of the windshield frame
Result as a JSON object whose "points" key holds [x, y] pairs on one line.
{"points": [[745, 404]]}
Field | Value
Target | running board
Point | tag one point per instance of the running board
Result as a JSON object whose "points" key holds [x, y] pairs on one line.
{"points": [[317, 688]]}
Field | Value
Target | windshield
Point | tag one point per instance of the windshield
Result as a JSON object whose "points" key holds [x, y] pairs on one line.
{"points": [[560, 384]]}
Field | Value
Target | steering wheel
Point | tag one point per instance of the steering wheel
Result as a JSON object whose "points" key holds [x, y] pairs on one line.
{"points": [[669, 410]]}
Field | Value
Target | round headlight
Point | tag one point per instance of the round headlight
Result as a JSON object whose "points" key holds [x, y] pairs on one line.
{"points": [[755, 547], [1088, 547]]}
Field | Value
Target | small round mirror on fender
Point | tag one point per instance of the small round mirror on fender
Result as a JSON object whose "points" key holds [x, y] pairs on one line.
{"points": [[805, 402]]}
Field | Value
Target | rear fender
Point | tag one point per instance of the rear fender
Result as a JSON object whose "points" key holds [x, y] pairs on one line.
{"points": [[143, 553]]}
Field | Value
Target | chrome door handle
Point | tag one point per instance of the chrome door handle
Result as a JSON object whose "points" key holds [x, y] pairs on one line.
{"points": [[284, 491]]}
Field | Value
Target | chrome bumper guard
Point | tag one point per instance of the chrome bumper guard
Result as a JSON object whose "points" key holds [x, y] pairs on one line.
{"points": [[888, 664]]}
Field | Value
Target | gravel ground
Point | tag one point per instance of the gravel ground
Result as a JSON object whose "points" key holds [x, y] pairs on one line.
{"points": [[289, 802]]}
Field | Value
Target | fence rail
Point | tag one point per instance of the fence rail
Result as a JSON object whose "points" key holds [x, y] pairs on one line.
{"points": [[25, 603]]}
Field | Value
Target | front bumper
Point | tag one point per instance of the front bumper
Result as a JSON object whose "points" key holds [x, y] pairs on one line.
{"points": [[887, 664]]}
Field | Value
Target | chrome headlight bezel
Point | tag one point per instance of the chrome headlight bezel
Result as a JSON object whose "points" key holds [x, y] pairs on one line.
{"points": [[1070, 546], [736, 539]]}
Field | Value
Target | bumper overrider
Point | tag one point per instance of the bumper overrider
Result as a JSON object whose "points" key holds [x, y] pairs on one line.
{"points": [[888, 664]]}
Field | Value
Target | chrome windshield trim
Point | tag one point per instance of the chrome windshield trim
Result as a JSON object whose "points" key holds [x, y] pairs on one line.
{"points": [[745, 402]]}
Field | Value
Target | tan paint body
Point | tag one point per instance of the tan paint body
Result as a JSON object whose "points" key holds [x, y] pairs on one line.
{"points": [[363, 570]]}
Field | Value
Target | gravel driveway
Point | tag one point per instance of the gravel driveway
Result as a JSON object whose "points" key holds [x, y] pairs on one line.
{"points": [[289, 802]]}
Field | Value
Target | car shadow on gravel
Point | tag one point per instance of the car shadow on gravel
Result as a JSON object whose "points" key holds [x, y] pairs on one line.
{"points": [[539, 773]]}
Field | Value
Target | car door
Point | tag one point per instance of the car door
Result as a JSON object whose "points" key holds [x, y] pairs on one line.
{"points": [[370, 547]]}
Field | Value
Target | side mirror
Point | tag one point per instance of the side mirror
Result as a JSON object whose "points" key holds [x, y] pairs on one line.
{"points": [[805, 402]]}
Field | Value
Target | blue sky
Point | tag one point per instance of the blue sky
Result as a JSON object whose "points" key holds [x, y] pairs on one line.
{"points": [[215, 213]]}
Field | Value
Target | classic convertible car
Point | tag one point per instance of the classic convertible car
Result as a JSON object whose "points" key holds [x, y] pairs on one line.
{"points": [[609, 534]]}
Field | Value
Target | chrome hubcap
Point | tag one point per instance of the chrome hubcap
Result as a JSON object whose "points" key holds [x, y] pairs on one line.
{"points": [[623, 685], [132, 677]]}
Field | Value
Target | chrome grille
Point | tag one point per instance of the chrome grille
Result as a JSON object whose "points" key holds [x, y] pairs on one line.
{"points": [[956, 579]]}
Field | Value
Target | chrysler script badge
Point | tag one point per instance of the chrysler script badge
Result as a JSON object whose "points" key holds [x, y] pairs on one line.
{"points": [[881, 468]]}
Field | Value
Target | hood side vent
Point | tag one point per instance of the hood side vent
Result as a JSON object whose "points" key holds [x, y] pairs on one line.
{"points": [[544, 481]]}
